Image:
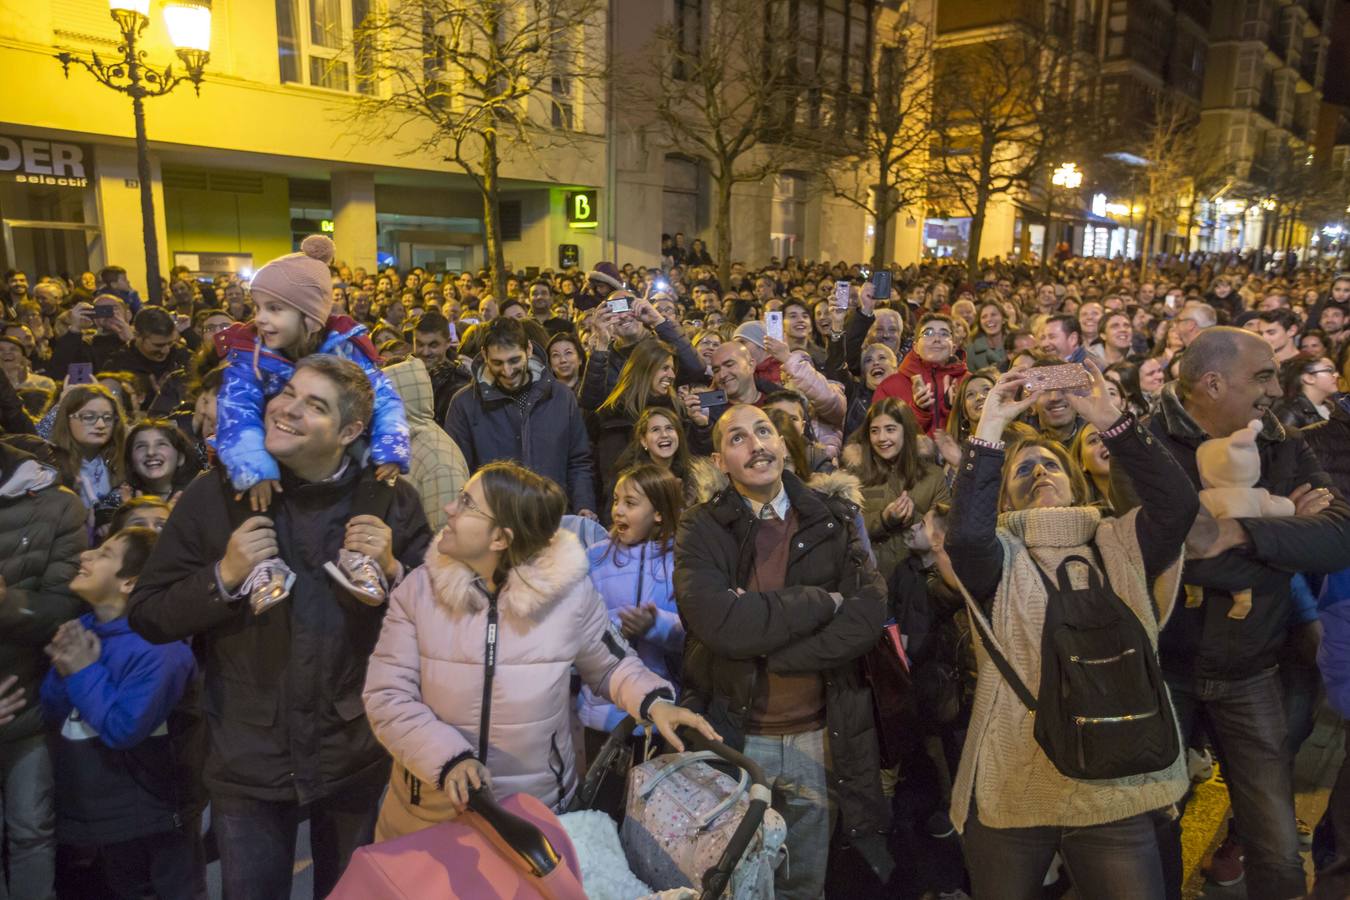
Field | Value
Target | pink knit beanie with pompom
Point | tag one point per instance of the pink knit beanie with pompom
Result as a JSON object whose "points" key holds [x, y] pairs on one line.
{"points": [[301, 280]]}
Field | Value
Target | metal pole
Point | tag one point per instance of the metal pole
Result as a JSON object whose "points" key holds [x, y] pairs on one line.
{"points": [[143, 172]]}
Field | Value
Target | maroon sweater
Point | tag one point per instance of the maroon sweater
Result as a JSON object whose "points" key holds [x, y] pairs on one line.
{"points": [[791, 703]]}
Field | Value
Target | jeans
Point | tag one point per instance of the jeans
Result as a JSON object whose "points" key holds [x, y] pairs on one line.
{"points": [[796, 768], [257, 840], [29, 820], [1115, 861], [160, 865], [1248, 720]]}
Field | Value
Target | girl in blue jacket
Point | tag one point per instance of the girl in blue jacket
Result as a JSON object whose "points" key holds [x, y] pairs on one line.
{"points": [[293, 297], [633, 571]]}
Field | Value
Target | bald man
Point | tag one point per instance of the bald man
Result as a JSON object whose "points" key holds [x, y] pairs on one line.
{"points": [[1226, 667]]}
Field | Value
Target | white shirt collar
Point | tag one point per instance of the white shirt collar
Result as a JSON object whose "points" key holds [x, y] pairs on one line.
{"points": [[779, 503]]}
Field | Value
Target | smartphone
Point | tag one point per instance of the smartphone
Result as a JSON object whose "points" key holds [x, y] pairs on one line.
{"points": [[842, 293], [1072, 377], [709, 399], [617, 306], [773, 324], [881, 285], [106, 311], [80, 373], [454, 335]]}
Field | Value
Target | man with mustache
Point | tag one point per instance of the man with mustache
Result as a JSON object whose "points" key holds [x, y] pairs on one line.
{"points": [[780, 599], [1229, 668]]}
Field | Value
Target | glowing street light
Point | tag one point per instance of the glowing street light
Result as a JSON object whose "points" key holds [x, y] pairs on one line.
{"points": [[1069, 177], [189, 25]]}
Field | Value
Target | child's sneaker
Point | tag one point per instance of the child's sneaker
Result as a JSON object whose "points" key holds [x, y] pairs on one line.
{"points": [[359, 575], [268, 584], [1199, 765]]}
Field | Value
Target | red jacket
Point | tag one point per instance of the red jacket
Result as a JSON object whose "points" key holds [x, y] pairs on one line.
{"points": [[940, 379]]}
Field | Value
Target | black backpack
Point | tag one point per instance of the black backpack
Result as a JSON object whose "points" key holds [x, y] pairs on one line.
{"points": [[1104, 710]]}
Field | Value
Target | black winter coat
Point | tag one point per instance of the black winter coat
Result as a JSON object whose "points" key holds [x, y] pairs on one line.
{"points": [[1297, 413], [1330, 441], [1203, 642], [42, 534], [730, 640], [282, 690]]}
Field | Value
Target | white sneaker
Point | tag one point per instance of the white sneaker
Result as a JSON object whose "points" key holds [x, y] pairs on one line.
{"points": [[359, 575], [1199, 765]]}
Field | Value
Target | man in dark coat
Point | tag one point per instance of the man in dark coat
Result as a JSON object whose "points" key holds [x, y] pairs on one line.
{"points": [[158, 354], [1227, 667], [780, 599], [282, 693], [42, 534], [516, 410]]}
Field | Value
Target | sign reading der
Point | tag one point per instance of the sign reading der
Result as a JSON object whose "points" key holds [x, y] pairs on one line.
{"points": [[34, 161]]}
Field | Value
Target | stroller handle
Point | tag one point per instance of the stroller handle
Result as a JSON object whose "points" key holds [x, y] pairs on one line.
{"points": [[531, 844]]}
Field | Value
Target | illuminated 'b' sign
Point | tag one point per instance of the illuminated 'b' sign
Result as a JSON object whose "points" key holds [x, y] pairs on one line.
{"points": [[582, 209]]}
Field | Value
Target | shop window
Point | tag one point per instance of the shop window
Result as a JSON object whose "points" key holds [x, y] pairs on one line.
{"points": [[317, 44]]}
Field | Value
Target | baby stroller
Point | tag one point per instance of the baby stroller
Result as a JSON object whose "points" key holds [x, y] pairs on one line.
{"points": [[680, 836]]}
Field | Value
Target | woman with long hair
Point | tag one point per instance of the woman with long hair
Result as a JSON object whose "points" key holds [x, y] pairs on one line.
{"points": [[470, 683], [1021, 534], [633, 569], [899, 486], [1125, 376], [566, 359], [1308, 383], [986, 348], [967, 403], [1090, 453], [87, 438]]}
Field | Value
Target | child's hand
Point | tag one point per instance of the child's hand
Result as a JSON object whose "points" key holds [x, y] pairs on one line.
{"points": [[387, 472], [260, 495]]}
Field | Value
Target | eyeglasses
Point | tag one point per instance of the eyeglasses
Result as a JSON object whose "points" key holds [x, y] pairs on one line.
{"points": [[88, 418], [935, 335], [463, 503], [1320, 372]]}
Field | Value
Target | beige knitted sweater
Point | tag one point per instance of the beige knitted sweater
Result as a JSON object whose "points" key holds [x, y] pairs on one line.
{"points": [[1002, 766]]}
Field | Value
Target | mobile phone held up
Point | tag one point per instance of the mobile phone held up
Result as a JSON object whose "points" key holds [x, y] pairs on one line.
{"points": [[80, 373], [881, 285], [773, 324], [619, 305], [712, 399], [842, 293], [106, 311], [1071, 377]]}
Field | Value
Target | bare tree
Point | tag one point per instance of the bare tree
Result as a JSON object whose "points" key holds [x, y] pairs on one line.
{"points": [[480, 80], [1002, 108], [886, 172], [725, 92]]}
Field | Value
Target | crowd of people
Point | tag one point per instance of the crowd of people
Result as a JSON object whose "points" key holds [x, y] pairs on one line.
{"points": [[348, 545]]}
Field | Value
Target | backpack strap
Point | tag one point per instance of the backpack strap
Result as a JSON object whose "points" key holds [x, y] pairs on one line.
{"points": [[991, 647]]}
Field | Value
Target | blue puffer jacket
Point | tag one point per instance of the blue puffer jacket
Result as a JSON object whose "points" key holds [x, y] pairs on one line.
{"points": [[254, 375], [1333, 656], [116, 775], [630, 576]]}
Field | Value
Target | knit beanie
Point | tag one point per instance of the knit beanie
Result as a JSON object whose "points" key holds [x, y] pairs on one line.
{"points": [[301, 280]]}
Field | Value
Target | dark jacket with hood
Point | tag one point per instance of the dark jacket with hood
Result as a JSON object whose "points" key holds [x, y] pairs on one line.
{"points": [[1330, 440], [1203, 642], [539, 427], [1296, 412], [282, 690], [42, 534], [733, 640]]}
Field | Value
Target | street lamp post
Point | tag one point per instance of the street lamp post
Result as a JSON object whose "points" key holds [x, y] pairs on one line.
{"points": [[1066, 176], [189, 26]]}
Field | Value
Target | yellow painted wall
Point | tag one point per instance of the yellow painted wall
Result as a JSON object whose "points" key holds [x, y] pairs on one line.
{"points": [[212, 221]]}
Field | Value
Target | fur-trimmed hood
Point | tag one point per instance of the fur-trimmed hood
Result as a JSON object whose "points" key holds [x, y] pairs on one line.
{"points": [[531, 589], [705, 480]]}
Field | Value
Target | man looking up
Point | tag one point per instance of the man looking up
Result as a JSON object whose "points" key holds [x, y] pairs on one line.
{"points": [[780, 600]]}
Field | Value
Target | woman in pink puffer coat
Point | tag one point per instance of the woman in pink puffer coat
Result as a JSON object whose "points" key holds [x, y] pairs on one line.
{"points": [[501, 566]]}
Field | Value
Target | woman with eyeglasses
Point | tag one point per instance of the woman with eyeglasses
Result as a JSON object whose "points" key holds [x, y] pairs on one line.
{"points": [[87, 439], [1308, 382], [470, 683]]}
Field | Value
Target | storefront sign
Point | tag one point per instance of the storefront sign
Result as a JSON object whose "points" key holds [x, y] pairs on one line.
{"points": [[34, 161], [582, 209], [569, 256]]}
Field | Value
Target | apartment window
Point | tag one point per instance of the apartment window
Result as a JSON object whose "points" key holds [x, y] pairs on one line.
{"points": [[316, 44], [689, 32]]}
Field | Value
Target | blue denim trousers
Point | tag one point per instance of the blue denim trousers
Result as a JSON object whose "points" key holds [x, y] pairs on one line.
{"points": [[256, 839], [27, 820], [796, 767], [1248, 720], [1115, 861]]}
